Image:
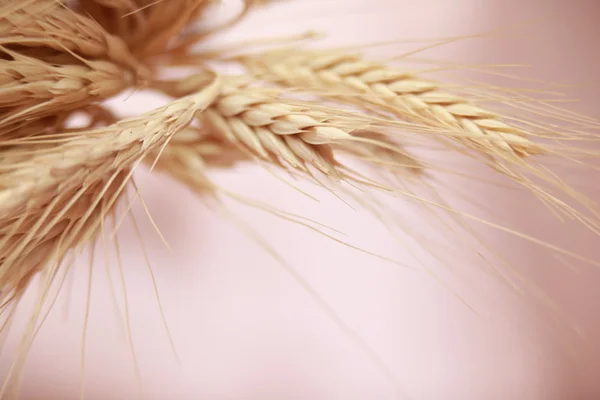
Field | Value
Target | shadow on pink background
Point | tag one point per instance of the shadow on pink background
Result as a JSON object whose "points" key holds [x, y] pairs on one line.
{"points": [[245, 329]]}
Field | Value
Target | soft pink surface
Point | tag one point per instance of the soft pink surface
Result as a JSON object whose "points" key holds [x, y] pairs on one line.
{"points": [[245, 329]]}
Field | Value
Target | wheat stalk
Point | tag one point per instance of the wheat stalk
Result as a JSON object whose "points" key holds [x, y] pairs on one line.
{"points": [[404, 94]]}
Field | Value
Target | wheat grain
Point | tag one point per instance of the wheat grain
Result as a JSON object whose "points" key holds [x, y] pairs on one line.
{"points": [[406, 95], [115, 144], [267, 126]]}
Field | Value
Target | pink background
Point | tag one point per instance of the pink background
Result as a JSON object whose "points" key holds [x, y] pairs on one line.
{"points": [[245, 329]]}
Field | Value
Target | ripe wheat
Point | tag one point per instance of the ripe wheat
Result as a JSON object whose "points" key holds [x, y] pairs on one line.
{"points": [[402, 93], [302, 111], [45, 189], [298, 133]]}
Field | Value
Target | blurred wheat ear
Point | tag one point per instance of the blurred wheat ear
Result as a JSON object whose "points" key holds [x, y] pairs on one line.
{"points": [[331, 117]]}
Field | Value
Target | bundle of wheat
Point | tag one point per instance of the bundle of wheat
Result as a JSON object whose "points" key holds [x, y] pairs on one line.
{"points": [[293, 109]]}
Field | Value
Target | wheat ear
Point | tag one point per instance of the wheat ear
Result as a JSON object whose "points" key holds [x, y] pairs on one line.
{"points": [[404, 94], [32, 88], [45, 189], [297, 133]]}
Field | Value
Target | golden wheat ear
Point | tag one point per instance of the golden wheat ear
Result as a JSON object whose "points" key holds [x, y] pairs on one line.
{"points": [[401, 93], [54, 197], [272, 127], [501, 141], [35, 89], [34, 176]]}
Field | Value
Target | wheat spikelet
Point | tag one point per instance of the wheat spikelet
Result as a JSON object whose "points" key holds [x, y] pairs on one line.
{"points": [[250, 120], [402, 93], [195, 151], [33, 89]]}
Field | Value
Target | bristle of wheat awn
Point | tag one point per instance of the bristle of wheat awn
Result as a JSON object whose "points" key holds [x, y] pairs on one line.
{"points": [[396, 160], [402, 93], [190, 155]]}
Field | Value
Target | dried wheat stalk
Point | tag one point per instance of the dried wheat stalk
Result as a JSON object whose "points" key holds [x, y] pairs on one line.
{"points": [[402, 93]]}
